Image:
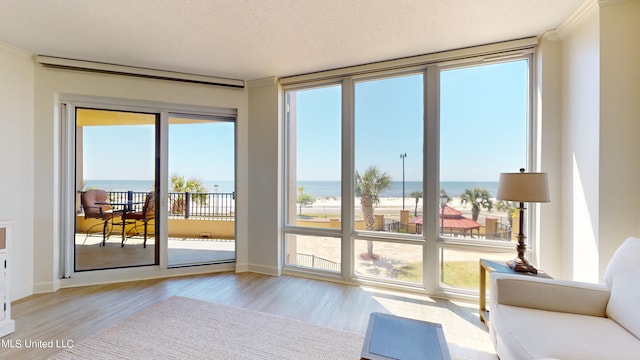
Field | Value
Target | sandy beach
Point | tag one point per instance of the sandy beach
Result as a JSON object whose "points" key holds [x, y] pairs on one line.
{"points": [[391, 206]]}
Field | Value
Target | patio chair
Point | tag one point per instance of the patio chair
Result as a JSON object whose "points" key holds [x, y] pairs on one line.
{"points": [[95, 205], [147, 214]]}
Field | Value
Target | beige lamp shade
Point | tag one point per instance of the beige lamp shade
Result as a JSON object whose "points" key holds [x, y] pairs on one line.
{"points": [[523, 187]]}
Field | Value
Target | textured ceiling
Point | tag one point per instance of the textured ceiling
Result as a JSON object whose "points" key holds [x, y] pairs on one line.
{"points": [[252, 39]]}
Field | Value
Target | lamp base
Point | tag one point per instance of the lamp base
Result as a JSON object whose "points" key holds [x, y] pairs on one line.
{"points": [[520, 265]]}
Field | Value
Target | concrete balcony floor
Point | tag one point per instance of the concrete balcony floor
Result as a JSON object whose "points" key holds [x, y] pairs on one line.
{"points": [[90, 255]]}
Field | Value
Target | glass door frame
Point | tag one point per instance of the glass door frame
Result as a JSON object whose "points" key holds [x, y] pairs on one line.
{"points": [[67, 108], [155, 186], [199, 116]]}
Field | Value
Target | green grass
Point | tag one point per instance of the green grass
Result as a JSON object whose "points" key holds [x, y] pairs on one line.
{"points": [[462, 274], [319, 215], [411, 272]]}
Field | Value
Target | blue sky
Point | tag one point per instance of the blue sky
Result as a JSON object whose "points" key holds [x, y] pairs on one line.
{"points": [[203, 150], [483, 132], [483, 125], [483, 114], [118, 152]]}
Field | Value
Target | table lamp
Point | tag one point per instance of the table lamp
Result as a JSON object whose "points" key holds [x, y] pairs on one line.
{"points": [[523, 187]]}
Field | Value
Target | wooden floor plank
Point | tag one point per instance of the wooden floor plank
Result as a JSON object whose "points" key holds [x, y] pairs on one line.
{"points": [[76, 313]]}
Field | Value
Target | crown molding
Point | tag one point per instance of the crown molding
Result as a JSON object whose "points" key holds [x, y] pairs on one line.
{"points": [[578, 17], [15, 50], [609, 2], [585, 10]]}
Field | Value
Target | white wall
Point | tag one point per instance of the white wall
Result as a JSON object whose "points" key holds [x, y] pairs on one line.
{"points": [[49, 84], [619, 175], [16, 164], [580, 154], [549, 106], [599, 87], [264, 177]]}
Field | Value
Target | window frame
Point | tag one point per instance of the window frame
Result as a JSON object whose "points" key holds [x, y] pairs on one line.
{"points": [[432, 243]]}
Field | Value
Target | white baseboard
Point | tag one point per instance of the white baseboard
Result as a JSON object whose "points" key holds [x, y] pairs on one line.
{"points": [[46, 287], [267, 270], [244, 267], [20, 293], [118, 275], [142, 273]]}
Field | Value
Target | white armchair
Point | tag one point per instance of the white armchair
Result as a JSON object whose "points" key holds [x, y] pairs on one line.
{"points": [[536, 318]]}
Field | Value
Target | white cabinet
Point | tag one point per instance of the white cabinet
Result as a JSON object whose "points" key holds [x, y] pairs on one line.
{"points": [[7, 325]]}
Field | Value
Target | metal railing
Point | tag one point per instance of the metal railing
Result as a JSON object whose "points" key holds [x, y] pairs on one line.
{"points": [[316, 262], [202, 205], [391, 225], [184, 204]]}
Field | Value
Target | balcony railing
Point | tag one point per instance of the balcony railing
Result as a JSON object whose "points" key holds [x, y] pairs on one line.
{"points": [[312, 261], [202, 205], [213, 206]]}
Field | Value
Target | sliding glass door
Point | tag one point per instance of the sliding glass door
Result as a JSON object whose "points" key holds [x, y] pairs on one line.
{"points": [[145, 188], [116, 183], [201, 212]]}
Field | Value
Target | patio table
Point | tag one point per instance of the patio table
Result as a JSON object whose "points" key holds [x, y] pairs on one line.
{"points": [[127, 207]]}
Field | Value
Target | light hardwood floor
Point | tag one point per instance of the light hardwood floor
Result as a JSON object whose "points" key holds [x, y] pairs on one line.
{"points": [[72, 314]]}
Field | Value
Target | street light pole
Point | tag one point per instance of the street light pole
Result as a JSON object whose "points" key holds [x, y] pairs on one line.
{"points": [[402, 156], [443, 202]]}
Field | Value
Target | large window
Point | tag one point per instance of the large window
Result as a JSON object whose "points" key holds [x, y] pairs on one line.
{"points": [[412, 157], [314, 175], [483, 132], [388, 151]]}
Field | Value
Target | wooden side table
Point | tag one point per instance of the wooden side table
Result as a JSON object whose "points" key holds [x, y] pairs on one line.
{"points": [[488, 266]]}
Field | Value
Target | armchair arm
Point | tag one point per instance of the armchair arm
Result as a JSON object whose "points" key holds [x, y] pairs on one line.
{"points": [[549, 294]]}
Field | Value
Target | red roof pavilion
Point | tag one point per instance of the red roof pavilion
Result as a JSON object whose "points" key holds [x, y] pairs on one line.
{"points": [[454, 222]]}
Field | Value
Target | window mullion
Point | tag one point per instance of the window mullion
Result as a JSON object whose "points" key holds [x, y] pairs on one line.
{"points": [[431, 175], [348, 198]]}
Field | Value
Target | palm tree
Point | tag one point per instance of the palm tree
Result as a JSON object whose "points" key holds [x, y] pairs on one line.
{"points": [[369, 186], [304, 199], [417, 195], [512, 208], [478, 198], [180, 185]]}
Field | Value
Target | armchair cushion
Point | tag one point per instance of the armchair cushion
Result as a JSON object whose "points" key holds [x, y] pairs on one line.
{"points": [[537, 334], [534, 318], [549, 294], [623, 277]]}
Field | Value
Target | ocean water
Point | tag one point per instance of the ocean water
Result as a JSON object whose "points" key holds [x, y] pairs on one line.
{"points": [[147, 185], [322, 189], [317, 189]]}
